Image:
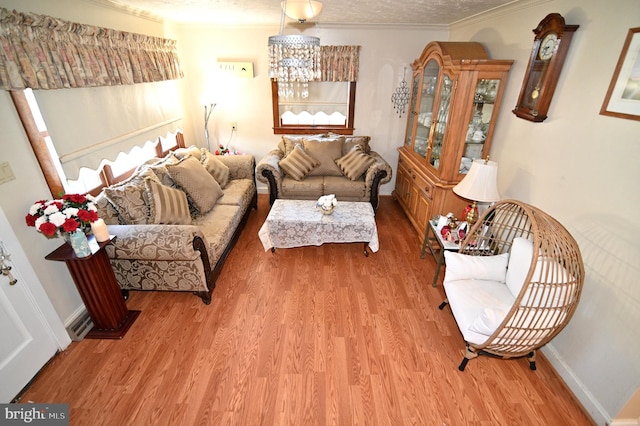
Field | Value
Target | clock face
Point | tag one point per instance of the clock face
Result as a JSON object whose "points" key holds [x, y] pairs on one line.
{"points": [[548, 46]]}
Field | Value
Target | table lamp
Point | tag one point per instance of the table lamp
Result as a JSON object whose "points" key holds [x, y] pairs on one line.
{"points": [[480, 184]]}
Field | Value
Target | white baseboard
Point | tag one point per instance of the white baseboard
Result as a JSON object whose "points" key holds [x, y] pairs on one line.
{"points": [[586, 398], [626, 422], [75, 315]]}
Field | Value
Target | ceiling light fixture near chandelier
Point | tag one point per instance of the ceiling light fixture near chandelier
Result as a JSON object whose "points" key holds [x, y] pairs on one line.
{"points": [[301, 10], [294, 60]]}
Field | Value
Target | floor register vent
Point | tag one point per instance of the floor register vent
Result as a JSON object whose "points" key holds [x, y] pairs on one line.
{"points": [[80, 327]]}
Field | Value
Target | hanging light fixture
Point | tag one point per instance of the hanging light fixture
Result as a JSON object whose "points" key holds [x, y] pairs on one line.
{"points": [[301, 10], [294, 60]]}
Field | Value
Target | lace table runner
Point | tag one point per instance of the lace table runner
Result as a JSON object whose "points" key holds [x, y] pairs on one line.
{"points": [[295, 223]]}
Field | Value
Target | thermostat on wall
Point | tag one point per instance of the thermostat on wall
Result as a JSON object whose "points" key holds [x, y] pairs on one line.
{"points": [[239, 69]]}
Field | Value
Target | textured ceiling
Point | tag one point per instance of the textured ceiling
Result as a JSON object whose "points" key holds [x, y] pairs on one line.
{"points": [[342, 12]]}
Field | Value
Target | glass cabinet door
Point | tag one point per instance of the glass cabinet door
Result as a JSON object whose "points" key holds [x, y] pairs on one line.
{"points": [[441, 121], [480, 122], [415, 87], [425, 109]]}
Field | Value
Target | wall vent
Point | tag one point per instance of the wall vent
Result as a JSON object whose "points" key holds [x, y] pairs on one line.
{"points": [[80, 327]]}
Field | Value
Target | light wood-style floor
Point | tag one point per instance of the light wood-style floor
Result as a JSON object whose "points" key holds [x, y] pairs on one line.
{"points": [[304, 336]]}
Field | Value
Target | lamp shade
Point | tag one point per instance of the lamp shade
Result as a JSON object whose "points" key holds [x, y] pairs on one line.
{"points": [[301, 10], [481, 183]]}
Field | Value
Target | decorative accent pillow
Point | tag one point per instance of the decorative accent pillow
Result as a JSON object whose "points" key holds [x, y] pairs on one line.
{"points": [[106, 210], [128, 198], [166, 205], [192, 150], [355, 163], [215, 167], [351, 141], [288, 142], [326, 151], [201, 188], [467, 267], [298, 164], [159, 168]]}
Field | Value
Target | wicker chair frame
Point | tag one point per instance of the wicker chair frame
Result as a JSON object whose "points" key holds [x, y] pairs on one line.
{"points": [[552, 288]]}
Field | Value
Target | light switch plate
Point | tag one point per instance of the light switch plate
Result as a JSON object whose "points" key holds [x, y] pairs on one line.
{"points": [[6, 173]]}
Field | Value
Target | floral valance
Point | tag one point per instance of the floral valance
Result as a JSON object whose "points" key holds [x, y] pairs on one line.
{"points": [[340, 63], [41, 52]]}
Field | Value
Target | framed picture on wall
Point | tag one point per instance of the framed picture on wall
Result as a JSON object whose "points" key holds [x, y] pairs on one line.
{"points": [[623, 97]]}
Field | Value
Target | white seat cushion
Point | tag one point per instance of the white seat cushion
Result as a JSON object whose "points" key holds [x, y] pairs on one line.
{"points": [[468, 300]]}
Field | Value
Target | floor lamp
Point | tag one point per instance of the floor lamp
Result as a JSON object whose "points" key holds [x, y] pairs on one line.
{"points": [[207, 113]]}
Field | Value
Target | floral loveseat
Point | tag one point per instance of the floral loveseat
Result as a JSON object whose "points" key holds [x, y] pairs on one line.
{"points": [[307, 167], [177, 218]]}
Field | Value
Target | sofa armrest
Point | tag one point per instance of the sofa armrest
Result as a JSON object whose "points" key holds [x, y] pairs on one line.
{"points": [[154, 242], [240, 166], [378, 173], [378, 166], [268, 171]]}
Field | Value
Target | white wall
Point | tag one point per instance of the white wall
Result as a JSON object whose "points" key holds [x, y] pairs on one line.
{"points": [[583, 168]]}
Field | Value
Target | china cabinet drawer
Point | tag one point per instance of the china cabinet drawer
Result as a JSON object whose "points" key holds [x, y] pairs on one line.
{"points": [[422, 184]]}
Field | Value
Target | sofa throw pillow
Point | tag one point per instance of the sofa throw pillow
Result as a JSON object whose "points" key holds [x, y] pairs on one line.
{"points": [[215, 167], [159, 168], [351, 141], [298, 164], [192, 150], [355, 163], [106, 210], [166, 205], [327, 152], [129, 200], [288, 142], [467, 267], [201, 188]]}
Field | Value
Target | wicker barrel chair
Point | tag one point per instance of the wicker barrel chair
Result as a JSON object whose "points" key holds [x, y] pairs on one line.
{"points": [[509, 305]]}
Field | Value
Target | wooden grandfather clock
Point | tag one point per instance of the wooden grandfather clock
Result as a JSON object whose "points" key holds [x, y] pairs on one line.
{"points": [[550, 46]]}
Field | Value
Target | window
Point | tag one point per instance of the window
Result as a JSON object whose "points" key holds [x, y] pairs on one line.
{"points": [[330, 106], [327, 105]]}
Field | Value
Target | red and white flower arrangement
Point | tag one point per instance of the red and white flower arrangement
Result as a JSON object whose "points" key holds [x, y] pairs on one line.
{"points": [[55, 218], [224, 150]]}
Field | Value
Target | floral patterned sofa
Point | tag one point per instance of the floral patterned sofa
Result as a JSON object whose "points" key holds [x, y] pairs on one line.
{"points": [[177, 218], [309, 166]]}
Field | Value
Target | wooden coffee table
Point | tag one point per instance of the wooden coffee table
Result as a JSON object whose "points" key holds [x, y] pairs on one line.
{"points": [[296, 223]]}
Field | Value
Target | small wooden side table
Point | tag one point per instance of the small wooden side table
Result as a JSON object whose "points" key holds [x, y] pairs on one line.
{"points": [[98, 289], [431, 236]]}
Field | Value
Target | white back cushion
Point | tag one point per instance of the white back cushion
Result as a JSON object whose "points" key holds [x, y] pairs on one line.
{"points": [[519, 264], [466, 267]]}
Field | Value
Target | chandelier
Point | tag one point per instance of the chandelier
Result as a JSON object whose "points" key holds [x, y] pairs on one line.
{"points": [[294, 60]]}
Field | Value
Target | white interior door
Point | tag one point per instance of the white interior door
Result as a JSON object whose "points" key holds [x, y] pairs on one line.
{"points": [[27, 340]]}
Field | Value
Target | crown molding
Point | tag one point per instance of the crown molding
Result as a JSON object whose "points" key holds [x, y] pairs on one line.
{"points": [[507, 9]]}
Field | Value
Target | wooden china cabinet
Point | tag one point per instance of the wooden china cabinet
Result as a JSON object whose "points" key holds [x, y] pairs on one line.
{"points": [[456, 94]]}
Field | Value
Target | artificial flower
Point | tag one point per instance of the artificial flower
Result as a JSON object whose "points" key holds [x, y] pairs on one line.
{"points": [[54, 218]]}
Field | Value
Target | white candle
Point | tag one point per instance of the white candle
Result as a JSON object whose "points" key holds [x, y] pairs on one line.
{"points": [[100, 231]]}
